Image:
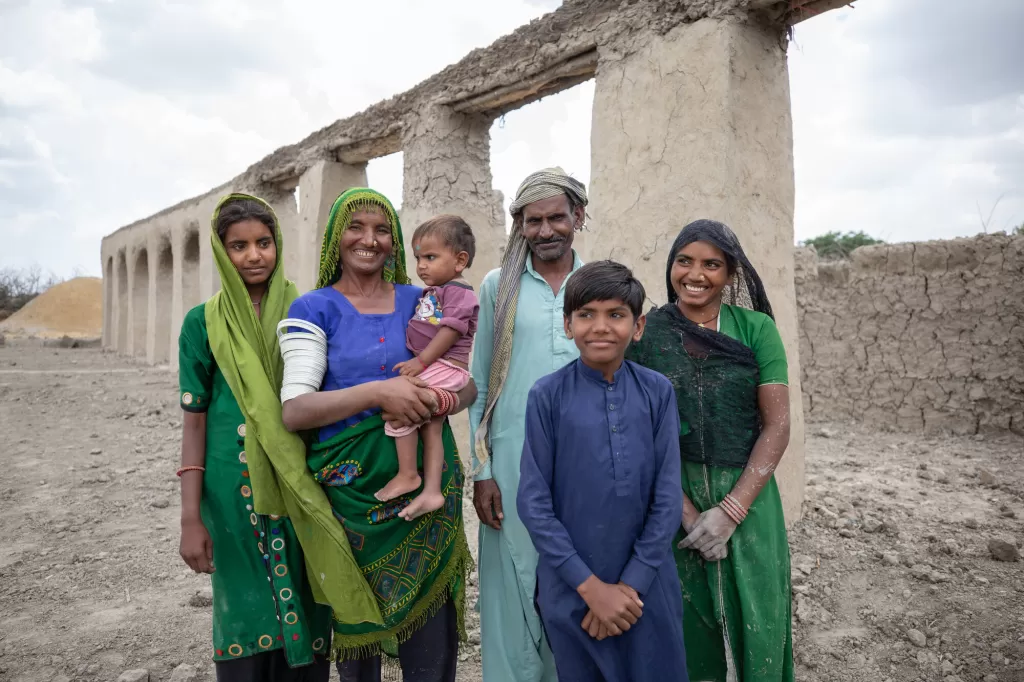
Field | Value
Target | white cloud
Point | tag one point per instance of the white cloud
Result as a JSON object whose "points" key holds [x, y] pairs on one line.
{"points": [[907, 117], [111, 111]]}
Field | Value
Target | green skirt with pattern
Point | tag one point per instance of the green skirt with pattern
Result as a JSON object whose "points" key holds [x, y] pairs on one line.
{"points": [[414, 567]]}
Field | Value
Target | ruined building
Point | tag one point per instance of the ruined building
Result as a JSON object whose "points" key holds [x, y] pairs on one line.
{"points": [[691, 119]]}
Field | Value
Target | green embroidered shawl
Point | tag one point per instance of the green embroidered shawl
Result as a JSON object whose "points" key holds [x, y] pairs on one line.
{"points": [[246, 350]]}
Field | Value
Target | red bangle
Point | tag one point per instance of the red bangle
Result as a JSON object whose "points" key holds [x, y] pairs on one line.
{"points": [[190, 468], [736, 503], [733, 509], [445, 401], [730, 513], [424, 365]]}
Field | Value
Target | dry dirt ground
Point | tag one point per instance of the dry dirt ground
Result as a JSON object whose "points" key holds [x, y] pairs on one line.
{"points": [[894, 578]]}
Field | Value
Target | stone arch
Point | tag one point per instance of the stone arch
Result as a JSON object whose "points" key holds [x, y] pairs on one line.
{"points": [[140, 302], [120, 307], [109, 303], [190, 296], [164, 299]]}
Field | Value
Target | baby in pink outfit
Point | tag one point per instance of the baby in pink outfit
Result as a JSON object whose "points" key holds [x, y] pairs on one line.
{"points": [[440, 335]]}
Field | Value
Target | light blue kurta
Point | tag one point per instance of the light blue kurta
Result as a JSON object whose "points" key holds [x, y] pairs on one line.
{"points": [[513, 647]]}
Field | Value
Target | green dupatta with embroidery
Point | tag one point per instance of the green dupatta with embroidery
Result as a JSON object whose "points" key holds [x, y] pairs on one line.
{"points": [[246, 350]]}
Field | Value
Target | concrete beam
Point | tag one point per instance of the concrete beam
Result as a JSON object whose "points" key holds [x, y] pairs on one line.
{"points": [[573, 71], [550, 54], [802, 10]]}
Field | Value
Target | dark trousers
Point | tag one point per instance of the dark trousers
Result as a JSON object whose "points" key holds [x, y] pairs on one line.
{"points": [[271, 666], [429, 655]]}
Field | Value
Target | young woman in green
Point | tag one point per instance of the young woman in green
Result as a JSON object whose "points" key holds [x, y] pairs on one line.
{"points": [[716, 340], [266, 625]]}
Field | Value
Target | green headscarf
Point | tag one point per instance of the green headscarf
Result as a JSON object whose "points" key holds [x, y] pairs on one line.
{"points": [[247, 354], [352, 201]]}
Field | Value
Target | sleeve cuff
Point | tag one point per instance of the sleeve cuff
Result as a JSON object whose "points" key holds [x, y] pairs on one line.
{"points": [[638, 575], [193, 402], [459, 325], [574, 572], [485, 472]]}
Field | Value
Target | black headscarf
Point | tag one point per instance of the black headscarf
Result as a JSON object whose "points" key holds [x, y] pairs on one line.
{"points": [[748, 291], [715, 377]]}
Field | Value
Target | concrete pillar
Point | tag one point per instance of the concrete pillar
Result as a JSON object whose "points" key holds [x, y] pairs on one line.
{"points": [[120, 305], [107, 264], [209, 278], [319, 187], [162, 293], [153, 247], [696, 124], [283, 203], [139, 266], [178, 285], [447, 169]]}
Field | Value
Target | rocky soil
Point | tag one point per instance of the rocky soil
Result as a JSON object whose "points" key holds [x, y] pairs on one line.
{"points": [[905, 567]]}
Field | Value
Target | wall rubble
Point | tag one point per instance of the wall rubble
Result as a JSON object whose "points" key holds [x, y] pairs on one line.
{"points": [[923, 336]]}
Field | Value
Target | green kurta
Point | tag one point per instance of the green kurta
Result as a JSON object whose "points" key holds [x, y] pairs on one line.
{"points": [[261, 599], [749, 591]]}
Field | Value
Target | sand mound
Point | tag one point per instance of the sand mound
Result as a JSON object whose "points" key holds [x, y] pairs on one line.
{"points": [[73, 308]]}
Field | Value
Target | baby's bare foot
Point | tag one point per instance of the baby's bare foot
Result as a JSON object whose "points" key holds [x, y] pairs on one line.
{"points": [[424, 503], [398, 486]]}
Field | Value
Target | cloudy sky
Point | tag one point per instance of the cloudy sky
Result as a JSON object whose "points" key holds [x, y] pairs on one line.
{"points": [[908, 114]]}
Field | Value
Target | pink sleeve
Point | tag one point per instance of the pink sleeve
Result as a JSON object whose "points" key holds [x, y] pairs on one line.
{"points": [[459, 308]]}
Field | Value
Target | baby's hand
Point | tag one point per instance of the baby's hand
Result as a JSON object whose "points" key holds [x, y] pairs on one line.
{"points": [[410, 368]]}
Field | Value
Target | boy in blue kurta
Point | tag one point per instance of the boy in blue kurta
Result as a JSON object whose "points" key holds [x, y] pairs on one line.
{"points": [[600, 494]]}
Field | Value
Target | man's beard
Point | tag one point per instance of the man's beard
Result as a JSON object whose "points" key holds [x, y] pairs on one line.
{"points": [[549, 254]]}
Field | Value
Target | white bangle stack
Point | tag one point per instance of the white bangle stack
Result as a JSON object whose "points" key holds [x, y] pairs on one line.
{"points": [[305, 357]]}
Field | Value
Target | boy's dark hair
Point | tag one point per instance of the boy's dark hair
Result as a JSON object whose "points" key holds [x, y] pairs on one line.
{"points": [[237, 210], [604, 280], [453, 231]]}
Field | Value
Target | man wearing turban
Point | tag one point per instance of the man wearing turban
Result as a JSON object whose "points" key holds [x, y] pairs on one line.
{"points": [[520, 338]]}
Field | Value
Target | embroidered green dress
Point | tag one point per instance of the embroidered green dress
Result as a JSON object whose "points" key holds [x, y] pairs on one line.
{"points": [[261, 597]]}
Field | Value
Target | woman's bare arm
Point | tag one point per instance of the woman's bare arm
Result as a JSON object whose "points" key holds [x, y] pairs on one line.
{"points": [[193, 454], [196, 548], [773, 403]]}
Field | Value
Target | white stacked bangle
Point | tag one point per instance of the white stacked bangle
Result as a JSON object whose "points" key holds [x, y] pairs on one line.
{"points": [[305, 357]]}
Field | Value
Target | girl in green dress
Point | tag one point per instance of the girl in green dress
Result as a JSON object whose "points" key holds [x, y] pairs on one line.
{"points": [[716, 340], [266, 625]]}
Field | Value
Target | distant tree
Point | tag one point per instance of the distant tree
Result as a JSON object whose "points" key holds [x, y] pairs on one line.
{"points": [[838, 246], [1019, 230], [18, 287]]}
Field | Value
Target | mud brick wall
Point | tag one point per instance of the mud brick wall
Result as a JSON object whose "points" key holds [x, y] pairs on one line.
{"points": [[926, 336]]}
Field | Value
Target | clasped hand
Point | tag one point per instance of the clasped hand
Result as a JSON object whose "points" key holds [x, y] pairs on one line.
{"points": [[613, 608], [710, 534], [406, 401]]}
